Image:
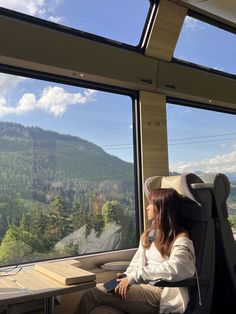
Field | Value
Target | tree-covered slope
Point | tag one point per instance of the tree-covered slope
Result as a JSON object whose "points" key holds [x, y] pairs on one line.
{"points": [[31, 156]]}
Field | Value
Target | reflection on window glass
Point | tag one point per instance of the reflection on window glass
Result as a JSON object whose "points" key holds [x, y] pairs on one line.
{"points": [[202, 141], [66, 171], [118, 20], [207, 45]]}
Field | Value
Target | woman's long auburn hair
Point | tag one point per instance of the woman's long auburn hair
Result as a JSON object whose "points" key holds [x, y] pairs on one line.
{"points": [[168, 221]]}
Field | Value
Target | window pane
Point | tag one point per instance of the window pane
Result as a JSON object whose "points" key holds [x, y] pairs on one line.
{"points": [[201, 141], [66, 171], [118, 20], [207, 45]]}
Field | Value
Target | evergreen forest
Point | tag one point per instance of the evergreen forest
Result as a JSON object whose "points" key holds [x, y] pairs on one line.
{"points": [[52, 184]]}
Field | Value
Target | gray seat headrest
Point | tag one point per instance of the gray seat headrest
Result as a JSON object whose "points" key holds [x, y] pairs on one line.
{"points": [[220, 186], [196, 205]]}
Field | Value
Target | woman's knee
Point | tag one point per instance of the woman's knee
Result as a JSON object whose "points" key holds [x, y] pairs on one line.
{"points": [[93, 295], [89, 293]]}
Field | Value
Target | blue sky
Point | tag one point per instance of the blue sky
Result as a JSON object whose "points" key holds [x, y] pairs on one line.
{"points": [[121, 20], [200, 139], [105, 118], [100, 117], [207, 45]]}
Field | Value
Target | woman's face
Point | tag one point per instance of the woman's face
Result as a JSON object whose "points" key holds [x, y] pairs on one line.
{"points": [[151, 211]]}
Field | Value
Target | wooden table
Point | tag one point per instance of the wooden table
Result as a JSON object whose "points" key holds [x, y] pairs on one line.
{"points": [[31, 285]]}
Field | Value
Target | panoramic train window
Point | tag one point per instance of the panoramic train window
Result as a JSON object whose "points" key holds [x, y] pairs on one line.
{"points": [[121, 20], [202, 141], [207, 45], [66, 171]]}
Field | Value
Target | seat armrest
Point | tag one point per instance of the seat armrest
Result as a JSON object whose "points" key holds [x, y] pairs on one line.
{"points": [[190, 282]]}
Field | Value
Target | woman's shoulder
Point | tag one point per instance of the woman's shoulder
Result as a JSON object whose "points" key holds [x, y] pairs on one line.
{"points": [[183, 234], [182, 239], [185, 244]]}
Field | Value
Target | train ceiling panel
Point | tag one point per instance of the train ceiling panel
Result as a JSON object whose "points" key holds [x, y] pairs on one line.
{"points": [[225, 9]]}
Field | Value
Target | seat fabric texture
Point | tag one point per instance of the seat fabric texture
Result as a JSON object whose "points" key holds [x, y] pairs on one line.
{"points": [[225, 287]]}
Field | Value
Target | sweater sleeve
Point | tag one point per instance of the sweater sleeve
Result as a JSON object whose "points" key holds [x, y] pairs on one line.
{"points": [[179, 266], [135, 264]]}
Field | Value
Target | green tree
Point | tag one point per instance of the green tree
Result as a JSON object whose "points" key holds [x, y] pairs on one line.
{"points": [[79, 217], [57, 224], [97, 223], [17, 244], [57, 206], [232, 221], [112, 212], [11, 210], [89, 224], [34, 221], [55, 230]]}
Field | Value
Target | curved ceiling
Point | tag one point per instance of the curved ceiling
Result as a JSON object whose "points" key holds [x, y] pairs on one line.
{"points": [[225, 9]]}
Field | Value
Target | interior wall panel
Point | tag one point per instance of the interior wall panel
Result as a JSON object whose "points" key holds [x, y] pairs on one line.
{"points": [[153, 137]]}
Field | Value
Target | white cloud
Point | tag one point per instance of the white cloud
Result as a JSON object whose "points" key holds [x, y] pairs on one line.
{"points": [[27, 103], [223, 145], [56, 19], [54, 100], [31, 7], [230, 143], [185, 112], [220, 163], [52, 5], [8, 82], [192, 23], [218, 68], [39, 8]]}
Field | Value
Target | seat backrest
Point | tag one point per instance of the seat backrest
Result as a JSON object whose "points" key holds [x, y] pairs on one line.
{"points": [[197, 214], [225, 243]]}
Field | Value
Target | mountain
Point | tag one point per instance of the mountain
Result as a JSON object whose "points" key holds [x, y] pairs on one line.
{"points": [[35, 159], [231, 176]]}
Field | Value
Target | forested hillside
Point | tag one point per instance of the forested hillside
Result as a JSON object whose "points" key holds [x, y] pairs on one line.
{"points": [[34, 158], [59, 182]]}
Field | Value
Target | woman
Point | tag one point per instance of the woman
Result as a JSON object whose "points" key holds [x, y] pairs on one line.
{"points": [[165, 252]]}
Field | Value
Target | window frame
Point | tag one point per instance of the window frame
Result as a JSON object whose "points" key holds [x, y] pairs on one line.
{"points": [[138, 200], [140, 47], [215, 23], [198, 105]]}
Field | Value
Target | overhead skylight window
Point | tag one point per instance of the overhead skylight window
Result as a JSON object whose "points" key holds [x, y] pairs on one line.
{"points": [[121, 21], [207, 45]]}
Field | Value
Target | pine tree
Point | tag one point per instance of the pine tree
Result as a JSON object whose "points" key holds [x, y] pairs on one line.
{"points": [[79, 217], [112, 212]]}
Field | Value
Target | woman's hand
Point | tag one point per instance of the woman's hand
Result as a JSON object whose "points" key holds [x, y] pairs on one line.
{"points": [[122, 287]]}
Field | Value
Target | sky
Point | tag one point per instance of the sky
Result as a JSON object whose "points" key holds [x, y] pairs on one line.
{"points": [[198, 139], [203, 140]]}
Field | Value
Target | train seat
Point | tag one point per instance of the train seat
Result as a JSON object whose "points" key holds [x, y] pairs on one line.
{"points": [[197, 213], [225, 286]]}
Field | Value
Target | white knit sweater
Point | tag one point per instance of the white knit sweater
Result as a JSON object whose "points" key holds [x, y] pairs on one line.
{"points": [[148, 264]]}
